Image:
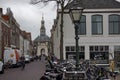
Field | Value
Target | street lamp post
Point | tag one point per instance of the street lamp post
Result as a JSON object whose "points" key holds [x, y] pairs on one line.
{"points": [[75, 14]]}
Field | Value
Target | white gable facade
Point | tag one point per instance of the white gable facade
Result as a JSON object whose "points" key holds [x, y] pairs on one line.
{"points": [[99, 35]]}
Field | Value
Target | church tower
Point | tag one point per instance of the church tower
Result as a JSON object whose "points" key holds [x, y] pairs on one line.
{"points": [[42, 42], [42, 29]]}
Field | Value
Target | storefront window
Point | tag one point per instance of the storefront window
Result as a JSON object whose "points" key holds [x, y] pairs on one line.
{"points": [[71, 52], [117, 55], [67, 49], [99, 53], [72, 48]]}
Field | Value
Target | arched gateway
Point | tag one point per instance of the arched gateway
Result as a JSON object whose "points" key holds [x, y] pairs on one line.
{"points": [[42, 51], [42, 42]]}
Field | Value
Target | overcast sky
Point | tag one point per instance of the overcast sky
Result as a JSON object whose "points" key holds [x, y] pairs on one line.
{"points": [[29, 16]]}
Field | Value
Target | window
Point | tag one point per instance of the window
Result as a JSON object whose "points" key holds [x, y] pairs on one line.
{"points": [[117, 54], [114, 24], [116, 48], [71, 52], [72, 48], [82, 26], [97, 24], [67, 48], [96, 48], [99, 53], [82, 48]]}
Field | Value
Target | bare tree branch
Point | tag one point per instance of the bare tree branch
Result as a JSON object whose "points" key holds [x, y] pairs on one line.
{"points": [[70, 1], [59, 2], [34, 2], [38, 1]]}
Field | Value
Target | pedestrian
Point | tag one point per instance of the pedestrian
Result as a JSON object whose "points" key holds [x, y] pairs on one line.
{"points": [[22, 58], [39, 57], [42, 58], [36, 58]]}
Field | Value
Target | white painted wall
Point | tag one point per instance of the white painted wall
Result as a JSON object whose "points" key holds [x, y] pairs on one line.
{"points": [[88, 39], [56, 39], [26, 46], [21, 43]]}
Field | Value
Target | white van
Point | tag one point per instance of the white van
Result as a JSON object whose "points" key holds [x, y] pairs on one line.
{"points": [[1, 67], [12, 56]]}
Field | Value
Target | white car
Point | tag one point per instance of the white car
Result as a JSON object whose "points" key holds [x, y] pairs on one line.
{"points": [[27, 58], [1, 67]]}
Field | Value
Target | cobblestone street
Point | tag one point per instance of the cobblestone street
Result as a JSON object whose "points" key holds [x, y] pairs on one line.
{"points": [[33, 71]]}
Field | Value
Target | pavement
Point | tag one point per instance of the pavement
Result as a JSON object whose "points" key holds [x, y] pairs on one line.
{"points": [[33, 71]]}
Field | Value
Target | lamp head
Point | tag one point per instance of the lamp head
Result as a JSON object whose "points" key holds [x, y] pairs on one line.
{"points": [[75, 14]]}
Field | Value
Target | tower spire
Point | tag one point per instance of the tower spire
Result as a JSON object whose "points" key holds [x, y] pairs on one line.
{"points": [[42, 16], [42, 29]]}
